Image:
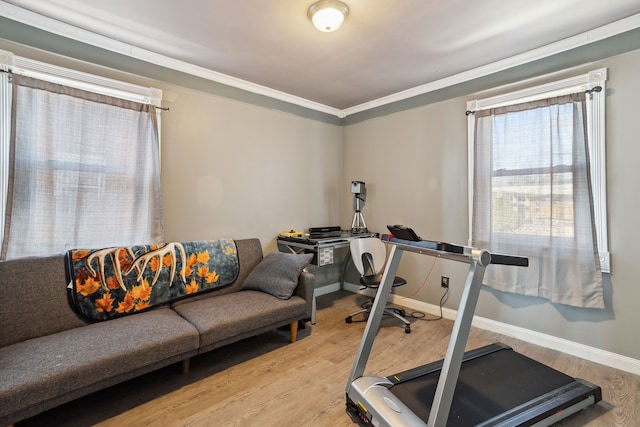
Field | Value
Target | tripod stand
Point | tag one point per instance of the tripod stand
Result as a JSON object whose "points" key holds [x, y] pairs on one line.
{"points": [[358, 225]]}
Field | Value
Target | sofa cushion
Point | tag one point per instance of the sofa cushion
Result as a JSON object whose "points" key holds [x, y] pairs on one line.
{"points": [[49, 370], [277, 274], [33, 299], [228, 318]]}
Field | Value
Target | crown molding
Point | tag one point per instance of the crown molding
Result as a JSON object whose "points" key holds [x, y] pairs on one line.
{"points": [[65, 30], [598, 34], [33, 19]]}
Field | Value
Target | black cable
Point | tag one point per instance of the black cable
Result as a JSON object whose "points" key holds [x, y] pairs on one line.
{"points": [[422, 316], [418, 315]]}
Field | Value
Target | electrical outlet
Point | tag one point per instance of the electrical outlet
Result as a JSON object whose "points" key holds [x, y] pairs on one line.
{"points": [[444, 282]]}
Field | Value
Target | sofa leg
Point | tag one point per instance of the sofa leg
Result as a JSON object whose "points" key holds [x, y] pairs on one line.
{"points": [[185, 366], [294, 330]]}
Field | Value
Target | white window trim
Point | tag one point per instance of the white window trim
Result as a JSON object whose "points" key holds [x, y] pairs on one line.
{"points": [[5, 135], [596, 134]]}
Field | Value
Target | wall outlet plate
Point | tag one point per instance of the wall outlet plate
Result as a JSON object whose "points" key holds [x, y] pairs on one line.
{"points": [[444, 282]]}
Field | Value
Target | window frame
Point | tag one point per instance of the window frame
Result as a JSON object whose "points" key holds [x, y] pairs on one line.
{"points": [[596, 133], [13, 64]]}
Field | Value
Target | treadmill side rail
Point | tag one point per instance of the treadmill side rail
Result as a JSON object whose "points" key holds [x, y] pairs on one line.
{"points": [[550, 408]]}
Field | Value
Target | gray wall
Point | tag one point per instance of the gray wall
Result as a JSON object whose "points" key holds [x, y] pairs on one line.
{"points": [[236, 165], [238, 170], [232, 168], [415, 165]]}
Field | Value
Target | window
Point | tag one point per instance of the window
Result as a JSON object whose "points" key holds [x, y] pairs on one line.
{"points": [[81, 167], [528, 189]]}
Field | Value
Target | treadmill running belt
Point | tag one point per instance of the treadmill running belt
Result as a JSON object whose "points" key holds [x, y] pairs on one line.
{"points": [[487, 386]]}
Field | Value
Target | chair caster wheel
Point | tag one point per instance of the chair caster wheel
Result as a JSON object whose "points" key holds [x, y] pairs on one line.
{"points": [[407, 329], [348, 319]]}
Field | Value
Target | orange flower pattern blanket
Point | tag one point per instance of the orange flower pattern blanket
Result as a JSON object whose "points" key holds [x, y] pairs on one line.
{"points": [[112, 282]]}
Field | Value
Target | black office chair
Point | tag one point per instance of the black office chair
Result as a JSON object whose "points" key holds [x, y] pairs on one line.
{"points": [[369, 256]]}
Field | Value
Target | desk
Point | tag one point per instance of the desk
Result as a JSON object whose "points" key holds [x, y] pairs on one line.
{"points": [[324, 250]]}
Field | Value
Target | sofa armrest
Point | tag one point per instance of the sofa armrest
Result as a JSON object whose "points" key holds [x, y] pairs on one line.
{"points": [[306, 288]]}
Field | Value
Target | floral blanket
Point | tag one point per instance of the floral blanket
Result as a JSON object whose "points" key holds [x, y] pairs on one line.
{"points": [[113, 282]]}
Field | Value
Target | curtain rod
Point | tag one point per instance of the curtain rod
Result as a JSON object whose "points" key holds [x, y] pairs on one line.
{"points": [[588, 92], [10, 72]]}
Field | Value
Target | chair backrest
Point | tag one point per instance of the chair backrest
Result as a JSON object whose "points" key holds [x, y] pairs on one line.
{"points": [[371, 249]]}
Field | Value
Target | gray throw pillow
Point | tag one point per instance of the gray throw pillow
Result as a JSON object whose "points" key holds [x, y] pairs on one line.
{"points": [[277, 274]]}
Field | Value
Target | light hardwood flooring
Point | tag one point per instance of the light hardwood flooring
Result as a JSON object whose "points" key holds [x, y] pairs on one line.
{"points": [[267, 381]]}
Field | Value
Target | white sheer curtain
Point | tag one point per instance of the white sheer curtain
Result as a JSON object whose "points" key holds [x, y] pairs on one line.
{"points": [[84, 171], [532, 197]]}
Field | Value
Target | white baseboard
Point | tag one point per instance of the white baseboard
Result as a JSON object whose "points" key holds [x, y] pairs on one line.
{"points": [[327, 289], [333, 287], [572, 348], [592, 354]]}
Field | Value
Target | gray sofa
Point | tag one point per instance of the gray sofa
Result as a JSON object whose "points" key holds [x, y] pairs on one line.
{"points": [[49, 356]]}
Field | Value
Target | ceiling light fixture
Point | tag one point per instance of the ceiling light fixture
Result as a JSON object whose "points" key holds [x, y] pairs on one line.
{"points": [[327, 15]]}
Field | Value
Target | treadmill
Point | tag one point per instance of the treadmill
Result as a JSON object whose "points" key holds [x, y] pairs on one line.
{"points": [[489, 386]]}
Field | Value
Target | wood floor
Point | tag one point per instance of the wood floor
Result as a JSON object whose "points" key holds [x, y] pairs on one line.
{"points": [[267, 381]]}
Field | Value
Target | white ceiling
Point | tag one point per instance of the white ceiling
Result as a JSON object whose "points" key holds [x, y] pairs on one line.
{"points": [[385, 47]]}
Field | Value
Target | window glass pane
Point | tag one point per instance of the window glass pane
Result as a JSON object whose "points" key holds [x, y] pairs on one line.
{"points": [[523, 204], [532, 154]]}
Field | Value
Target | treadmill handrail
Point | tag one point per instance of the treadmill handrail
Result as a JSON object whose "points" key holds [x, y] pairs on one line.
{"points": [[398, 246], [427, 247]]}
